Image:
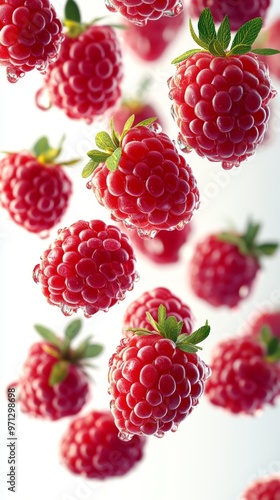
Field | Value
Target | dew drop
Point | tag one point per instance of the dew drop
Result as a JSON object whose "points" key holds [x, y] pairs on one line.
{"points": [[185, 148], [41, 66], [159, 434], [173, 113], [181, 225], [207, 372], [174, 427], [66, 310], [13, 74], [228, 165], [112, 403], [89, 184], [139, 22], [146, 233], [177, 9], [120, 295], [125, 436], [171, 94], [42, 99], [136, 277], [44, 234], [36, 273], [110, 6], [155, 127]]}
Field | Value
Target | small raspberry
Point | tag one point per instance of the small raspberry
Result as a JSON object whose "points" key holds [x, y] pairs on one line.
{"points": [[91, 447], [267, 488], [53, 383], [224, 266], [156, 378], [34, 189], [30, 36], [141, 11], [89, 266], [220, 96], [141, 179], [135, 315]]}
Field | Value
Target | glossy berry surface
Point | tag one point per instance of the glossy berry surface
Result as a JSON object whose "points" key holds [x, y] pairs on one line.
{"points": [[89, 266], [35, 195], [237, 12], [140, 11], [85, 80], [153, 385], [30, 36], [242, 381], [220, 105], [38, 398], [267, 488], [91, 447], [153, 188], [220, 274], [135, 314]]}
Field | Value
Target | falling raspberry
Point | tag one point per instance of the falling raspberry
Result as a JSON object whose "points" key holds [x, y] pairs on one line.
{"points": [[266, 488], [140, 12]]}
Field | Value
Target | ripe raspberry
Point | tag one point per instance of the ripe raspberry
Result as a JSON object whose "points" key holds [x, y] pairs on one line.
{"points": [[140, 11], [270, 37], [267, 319], [135, 314], [91, 447], [238, 12], [156, 379], [89, 266], [245, 377], [142, 179], [53, 383], [220, 96], [30, 36], [263, 489], [150, 42], [224, 266], [33, 187], [85, 80]]}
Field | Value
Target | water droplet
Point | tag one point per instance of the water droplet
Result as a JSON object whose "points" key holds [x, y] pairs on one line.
{"points": [[13, 74], [36, 273], [207, 372], [159, 434], [110, 6], [173, 113], [136, 277], [112, 403], [120, 295], [169, 81], [66, 310], [228, 165], [139, 22], [273, 93], [44, 234], [146, 233], [41, 66], [185, 148], [171, 94], [174, 427], [194, 401], [181, 225], [42, 99], [177, 9], [89, 184], [125, 436], [155, 127]]}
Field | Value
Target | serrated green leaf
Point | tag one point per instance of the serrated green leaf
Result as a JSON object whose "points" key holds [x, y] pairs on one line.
{"points": [[161, 314], [41, 146], [104, 142], [59, 372], [239, 49], [89, 168], [127, 126], [153, 322], [265, 52], [72, 11], [92, 350], [223, 33], [113, 161], [199, 335], [98, 156], [73, 329], [146, 122], [48, 335], [206, 26], [266, 248], [185, 56], [199, 42], [171, 328], [188, 348], [247, 34], [216, 48], [115, 135]]}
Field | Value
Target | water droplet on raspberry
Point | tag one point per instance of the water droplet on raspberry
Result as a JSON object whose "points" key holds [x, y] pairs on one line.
{"points": [[13, 74], [109, 6], [228, 165], [146, 233], [36, 273], [173, 113], [89, 184], [125, 436], [207, 372], [185, 148], [177, 9], [155, 127], [44, 235], [41, 66], [66, 310], [181, 225], [136, 277], [174, 427], [171, 95], [120, 295], [42, 99], [159, 434]]}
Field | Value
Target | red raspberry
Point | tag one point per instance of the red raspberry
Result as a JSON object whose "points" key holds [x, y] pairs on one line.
{"points": [[33, 187], [244, 379], [150, 42], [141, 11], [270, 37], [53, 383], [89, 266], [270, 320], [135, 314], [30, 36], [237, 12], [224, 266], [85, 80], [156, 379], [263, 489], [91, 447], [220, 96], [142, 179]]}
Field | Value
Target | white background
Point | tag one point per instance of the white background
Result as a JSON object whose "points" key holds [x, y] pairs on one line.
{"points": [[213, 455]]}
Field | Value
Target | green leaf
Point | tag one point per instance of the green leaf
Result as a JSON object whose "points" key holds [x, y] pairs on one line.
{"points": [[48, 335], [266, 334], [92, 350], [267, 248], [78, 353], [70, 162], [171, 328], [199, 335], [199, 42], [223, 33], [239, 49], [104, 142], [59, 372], [161, 314], [247, 34], [153, 322], [251, 232], [206, 26], [41, 146], [113, 161], [73, 329], [273, 346], [98, 156], [265, 52], [127, 126], [89, 168], [186, 55], [146, 122], [72, 11], [216, 48], [188, 348], [115, 135]]}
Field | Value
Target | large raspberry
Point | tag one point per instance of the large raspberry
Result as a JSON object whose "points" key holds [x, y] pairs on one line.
{"points": [[53, 382], [30, 36], [267, 488], [220, 97], [135, 314], [141, 11], [89, 266], [156, 379], [34, 189], [142, 179], [244, 378], [85, 81], [238, 12], [224, 266], [91, 447]]}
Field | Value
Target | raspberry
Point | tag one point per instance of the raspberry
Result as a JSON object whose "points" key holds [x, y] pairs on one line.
{"points": [[267, 488], [53, 383], [220, 97], [266, 319], [30, 36], [237, 12], [224, 266], [270, 36], [243, 380], [34, 189], [89, 266], [91, 447], [140, 11], [142, 180], [135, 314], [156, 379], [85, 80]]}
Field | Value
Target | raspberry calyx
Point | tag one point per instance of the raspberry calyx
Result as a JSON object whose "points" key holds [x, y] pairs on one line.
{"points": [[47, 154], [271, 344]]}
